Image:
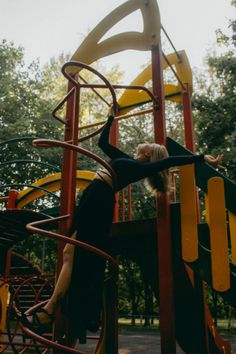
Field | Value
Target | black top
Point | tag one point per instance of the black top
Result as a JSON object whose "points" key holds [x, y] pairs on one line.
{"points": [[129, 170]]}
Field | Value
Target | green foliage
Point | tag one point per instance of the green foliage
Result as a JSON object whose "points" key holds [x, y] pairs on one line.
{"points": [[24, 112], [135, 296], [19, 91], [215, 103], [41, 251]]}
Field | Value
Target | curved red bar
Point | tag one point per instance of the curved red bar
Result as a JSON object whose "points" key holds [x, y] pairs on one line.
{"points": [[94, 71], [33, 227], [56, 143]]}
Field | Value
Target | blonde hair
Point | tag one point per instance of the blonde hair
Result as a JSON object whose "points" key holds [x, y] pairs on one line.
{"points": [[160, 182]]}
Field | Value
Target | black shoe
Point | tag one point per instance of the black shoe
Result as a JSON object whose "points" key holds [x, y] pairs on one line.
{"points": [[35, 325]]}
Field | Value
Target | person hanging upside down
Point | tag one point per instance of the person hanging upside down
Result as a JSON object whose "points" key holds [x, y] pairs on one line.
{"points": [[82, 275]]}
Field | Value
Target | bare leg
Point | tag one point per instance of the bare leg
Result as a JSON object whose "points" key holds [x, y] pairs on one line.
{"points": [[62, 283]]}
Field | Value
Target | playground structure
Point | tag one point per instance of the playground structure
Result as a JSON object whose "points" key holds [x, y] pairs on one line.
{"points": [[184, 253]]}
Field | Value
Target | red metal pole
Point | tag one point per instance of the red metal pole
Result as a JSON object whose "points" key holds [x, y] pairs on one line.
{"points": [[129, 202], [123, 205], [114, 141], [11, 204], [68, 184], [65, 179], [12, 197], [166, 296]]}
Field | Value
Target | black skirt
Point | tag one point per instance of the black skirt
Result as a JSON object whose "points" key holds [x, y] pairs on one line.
{"points": [[93, 216], [92, 221]]}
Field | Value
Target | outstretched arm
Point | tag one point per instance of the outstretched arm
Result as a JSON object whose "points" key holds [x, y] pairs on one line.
{"points": [[156, 166], [173, 161], [110, 150]]}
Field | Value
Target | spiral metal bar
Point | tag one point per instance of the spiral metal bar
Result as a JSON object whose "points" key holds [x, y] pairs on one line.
{"points": [[23, 283], [19, 285], [34, 228]]}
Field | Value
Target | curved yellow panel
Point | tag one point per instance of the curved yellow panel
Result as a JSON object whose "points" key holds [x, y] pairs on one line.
{"points": [[188, 205], [94, 48], [51, 183], [4, 294], [174, 91], [218, 234]]}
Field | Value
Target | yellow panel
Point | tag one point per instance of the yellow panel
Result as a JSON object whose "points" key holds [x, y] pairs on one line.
{"points": [[232, 226], [94, 48], [182, 69], [3, 305], [189, 230], [218, 234], [52, 183]]}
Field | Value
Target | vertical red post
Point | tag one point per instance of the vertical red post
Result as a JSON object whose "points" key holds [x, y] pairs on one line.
{"points": [[114, 141], [166, 296], [129, 202], [68, 178], [123, 205], [11, 204], [12, 197], [68, 185]]}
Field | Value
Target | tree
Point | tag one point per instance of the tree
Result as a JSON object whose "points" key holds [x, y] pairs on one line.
{"points": [[215, 105], [130, 288], [28, 96], [24, 112]]}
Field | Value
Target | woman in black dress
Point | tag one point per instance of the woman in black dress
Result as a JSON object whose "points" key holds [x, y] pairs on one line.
{"points": [[82, 273]]}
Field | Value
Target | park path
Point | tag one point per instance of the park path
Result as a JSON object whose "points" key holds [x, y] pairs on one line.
{"points": [[143, 343]]}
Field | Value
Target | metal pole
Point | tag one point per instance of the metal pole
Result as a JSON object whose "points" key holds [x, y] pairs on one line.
{"points": [[165, 268], [199, 289]]}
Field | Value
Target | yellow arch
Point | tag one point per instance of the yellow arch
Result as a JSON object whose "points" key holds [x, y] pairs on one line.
{"points": [[94, 48], [52, 183], [182, 68]]}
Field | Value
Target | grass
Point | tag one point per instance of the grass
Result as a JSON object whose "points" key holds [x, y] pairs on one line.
{"points": [[125, 325], [222, 326]]}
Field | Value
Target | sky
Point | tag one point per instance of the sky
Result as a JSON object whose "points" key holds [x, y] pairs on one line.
{"points": [[46, 28]]}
